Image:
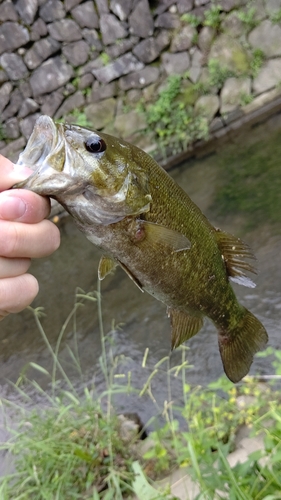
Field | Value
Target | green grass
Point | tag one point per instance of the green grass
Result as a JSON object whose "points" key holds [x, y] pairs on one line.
{"points": [[71, 446]]}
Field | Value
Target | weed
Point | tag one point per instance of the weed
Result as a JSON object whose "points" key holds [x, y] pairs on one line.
{"points": [[80, 118], [213, 17], [257, 61], [174, 124], [248, 17], [276, 16], [191, 19], [104, 57], [246, 99], [218, 74]]}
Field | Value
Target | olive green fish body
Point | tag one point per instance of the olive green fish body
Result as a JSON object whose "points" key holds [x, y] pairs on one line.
{"points": [[130, 207]]}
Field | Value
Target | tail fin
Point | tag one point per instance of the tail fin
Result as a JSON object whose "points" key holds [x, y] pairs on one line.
{"points": [[237, 348]]}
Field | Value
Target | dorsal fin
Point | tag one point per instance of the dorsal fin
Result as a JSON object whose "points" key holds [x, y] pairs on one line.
{"points": [[183, 326], [106, 266], [234, 252]]}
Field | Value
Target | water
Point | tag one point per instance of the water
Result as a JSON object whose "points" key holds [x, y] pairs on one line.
{"points": [[237, 187]]}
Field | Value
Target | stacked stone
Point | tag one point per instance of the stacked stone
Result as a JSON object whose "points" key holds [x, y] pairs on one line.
{"points": [[97, 55]]}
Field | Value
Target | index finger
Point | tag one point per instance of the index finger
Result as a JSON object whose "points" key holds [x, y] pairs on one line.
{"points": [[11, 173]]}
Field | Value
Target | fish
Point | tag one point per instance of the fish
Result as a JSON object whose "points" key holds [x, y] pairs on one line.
{"points": [[130, 207]]}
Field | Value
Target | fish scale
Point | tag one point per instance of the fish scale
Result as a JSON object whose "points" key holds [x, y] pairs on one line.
{"points": [[129, 206]]}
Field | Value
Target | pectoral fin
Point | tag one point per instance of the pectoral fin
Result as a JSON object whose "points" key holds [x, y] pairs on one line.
{"points": [[183, 326], [157, 234], [234, 252], [106, 266]]}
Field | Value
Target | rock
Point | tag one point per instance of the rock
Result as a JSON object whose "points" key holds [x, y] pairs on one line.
{"points": [[11, 128], [266, 37], [85, 81], [268, 77], [196, 65], [5, 92], [12, 36], [198, 3], [51, 75], [76, 53], [13, 149], [69, 4], [141, 21], [102, 6], [100, 92], [8, 12], [167, 20], [40, 51], [205, 39], [65, 30], [90, 66], [85, 15], [101, 113], [232, 92], [27, 10], [147, 50], [111, 29], [175, 63], [232, 25], [25, 89], [228, 5], [52, 102], [14, 66], [184, 6], [52, 10], [92, 37], [163, 6], [272, 6], [13, 106], [230, 54], [121, 66], [3, 76], [39, 29], [207, 105], [121, 47], [28, 107], [163, 39], [139, 79], [75, 101], [27, 125], [121, 8], [183, 39], [128, 124]]}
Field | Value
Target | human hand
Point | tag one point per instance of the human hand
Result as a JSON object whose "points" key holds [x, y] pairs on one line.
{"points": [[24, 234]]}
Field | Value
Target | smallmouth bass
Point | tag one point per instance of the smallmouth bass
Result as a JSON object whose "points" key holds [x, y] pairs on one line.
{"points": [[131, 208]]}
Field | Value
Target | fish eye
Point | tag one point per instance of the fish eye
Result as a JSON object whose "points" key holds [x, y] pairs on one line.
{"points": [[95, 144]]}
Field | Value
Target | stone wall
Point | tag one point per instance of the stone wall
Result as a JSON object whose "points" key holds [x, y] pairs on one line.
{"points": [[102, 57]]}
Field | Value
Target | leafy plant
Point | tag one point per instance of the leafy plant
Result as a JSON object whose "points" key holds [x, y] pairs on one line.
{"points": [[218, 73], [247, 17], [276, 16], [174, 124], [257, 61], [213, 17], [191, 19]]}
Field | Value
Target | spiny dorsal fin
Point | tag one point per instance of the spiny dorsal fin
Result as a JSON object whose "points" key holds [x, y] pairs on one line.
{"points": [[131, 276], [183, 326], [106, 266], [156, 233], [234, 251]]}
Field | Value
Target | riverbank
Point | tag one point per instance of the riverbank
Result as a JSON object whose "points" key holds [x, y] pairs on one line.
{"points": [[167, 75]]}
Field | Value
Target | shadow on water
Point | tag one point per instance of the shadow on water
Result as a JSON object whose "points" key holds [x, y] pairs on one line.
{"points": [[238, 188]]}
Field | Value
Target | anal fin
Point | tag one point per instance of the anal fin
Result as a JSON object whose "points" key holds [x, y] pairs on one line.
{"points": [[234, 252], [106, 266], [183, 326]]}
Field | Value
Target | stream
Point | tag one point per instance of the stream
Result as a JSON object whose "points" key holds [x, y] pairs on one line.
{"points": [[238, 187]]}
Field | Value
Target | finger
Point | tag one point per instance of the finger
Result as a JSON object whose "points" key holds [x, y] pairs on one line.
{"points": [[13, 267], [17, 293], [23, 206], [11, 173], [28, 240]]}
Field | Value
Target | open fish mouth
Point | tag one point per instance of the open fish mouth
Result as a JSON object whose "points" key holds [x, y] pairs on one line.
{"points": [[45, 154]]}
